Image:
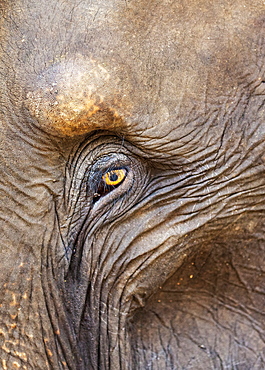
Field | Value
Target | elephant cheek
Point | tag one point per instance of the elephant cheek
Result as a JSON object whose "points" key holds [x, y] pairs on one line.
{"points": [[117, 282]]}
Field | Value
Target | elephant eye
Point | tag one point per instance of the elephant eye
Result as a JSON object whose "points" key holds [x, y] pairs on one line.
{"points": [[109, 181], [114, 177]]}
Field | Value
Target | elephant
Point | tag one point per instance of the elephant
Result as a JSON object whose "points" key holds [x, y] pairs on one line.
{"points": [[132, 184]]}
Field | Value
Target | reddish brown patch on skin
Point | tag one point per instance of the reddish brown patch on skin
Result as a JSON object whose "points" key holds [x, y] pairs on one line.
{"points": [[75, 98]]}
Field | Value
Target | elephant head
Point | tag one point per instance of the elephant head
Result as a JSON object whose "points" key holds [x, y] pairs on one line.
{"points": [[132, 184]]}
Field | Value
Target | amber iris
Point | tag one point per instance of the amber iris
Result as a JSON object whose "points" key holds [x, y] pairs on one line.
{"points": [[114, 177]]}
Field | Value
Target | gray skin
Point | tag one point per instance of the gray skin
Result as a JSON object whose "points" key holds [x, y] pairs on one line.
{"points": [[165, 270]]}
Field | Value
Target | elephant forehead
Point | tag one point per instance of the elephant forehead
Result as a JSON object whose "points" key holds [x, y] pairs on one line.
{"points": [[145, 64]]}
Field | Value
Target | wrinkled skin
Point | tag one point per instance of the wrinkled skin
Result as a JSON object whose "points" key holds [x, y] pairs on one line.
{"points": [[165, 270]]}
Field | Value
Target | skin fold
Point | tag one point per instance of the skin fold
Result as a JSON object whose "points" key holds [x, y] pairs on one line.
{"points": [[132, 184]]}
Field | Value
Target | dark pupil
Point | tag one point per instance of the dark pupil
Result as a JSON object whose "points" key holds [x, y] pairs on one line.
{"points": [[113, 177]]}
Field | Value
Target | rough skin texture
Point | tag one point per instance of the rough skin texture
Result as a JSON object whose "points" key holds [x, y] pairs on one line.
{"points": [[166, 269]]}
